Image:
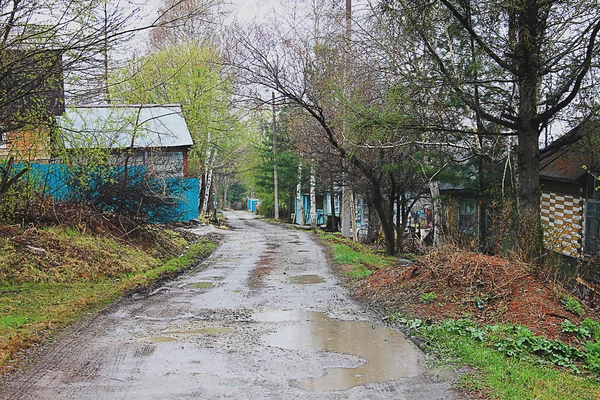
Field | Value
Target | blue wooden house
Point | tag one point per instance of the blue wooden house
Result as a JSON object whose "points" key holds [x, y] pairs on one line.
{"points": [[154, 138], [323, 208]]}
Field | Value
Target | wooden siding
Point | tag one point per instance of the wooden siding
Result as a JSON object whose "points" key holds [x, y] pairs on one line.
{"points": [[26, 145]]}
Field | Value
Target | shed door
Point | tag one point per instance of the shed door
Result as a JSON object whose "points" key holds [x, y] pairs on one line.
{"points": [[592, 226]]}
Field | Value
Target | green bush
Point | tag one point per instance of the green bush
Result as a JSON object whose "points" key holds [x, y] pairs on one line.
{"points": [[427, 297], [592, 356], [574, 306]]}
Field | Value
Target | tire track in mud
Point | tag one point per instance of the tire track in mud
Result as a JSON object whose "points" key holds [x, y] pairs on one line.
{"points": [[188, 341]]}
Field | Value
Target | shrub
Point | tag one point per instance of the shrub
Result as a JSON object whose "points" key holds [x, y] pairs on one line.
{"points": [[427, 297], [574, 306]]}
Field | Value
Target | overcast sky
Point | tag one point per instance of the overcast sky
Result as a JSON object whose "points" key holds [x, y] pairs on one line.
{"points": [[254, 10]]}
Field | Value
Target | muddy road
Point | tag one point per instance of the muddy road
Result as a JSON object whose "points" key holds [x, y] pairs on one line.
{"points": [[264, 318]]}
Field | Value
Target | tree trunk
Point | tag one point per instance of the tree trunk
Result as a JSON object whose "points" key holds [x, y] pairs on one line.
{"points": [[313, 200], [346, 212], [201, 192], [482, 209], [332, 205], [434, 188], [275, 179], [225, 190], [528, 154], [399, 231], [208, 182], [386, 225], [299, 195], [528, 196], [353, 216]]}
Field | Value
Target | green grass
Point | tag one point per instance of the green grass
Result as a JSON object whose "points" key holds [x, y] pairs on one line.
{"points": [[494, 373], [31, 311], [504, 377], [361, 259]]}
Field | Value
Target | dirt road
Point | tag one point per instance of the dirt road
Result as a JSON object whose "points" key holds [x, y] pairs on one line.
{"points": [[265, 319]]}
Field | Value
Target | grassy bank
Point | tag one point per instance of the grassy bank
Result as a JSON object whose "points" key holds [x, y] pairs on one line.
{"points": [[507, 360], [51, 277]]}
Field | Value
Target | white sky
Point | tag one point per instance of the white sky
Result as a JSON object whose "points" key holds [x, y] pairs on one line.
{"points": [[246, 11]]}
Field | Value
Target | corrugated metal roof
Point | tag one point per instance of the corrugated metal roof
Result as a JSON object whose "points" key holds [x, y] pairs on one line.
{"points": [[114, 126], [568, 164]]}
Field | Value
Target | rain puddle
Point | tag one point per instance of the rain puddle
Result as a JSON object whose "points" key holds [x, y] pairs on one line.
{"points": [[162, 339], [199, 268], [305, 279], [291, 315], [201, 331], [387, 354], [201, 285]]}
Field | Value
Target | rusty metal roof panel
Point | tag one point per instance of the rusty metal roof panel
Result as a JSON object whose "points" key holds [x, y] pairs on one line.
{"points": [[570, 164]]}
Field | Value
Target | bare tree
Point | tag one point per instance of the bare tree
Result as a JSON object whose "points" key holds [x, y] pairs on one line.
{"points": [[304, 71], [527, 65], [184, 21]]}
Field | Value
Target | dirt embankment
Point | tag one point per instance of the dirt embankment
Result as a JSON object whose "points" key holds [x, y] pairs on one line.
{"points": [[453, 283], [51, 274]]}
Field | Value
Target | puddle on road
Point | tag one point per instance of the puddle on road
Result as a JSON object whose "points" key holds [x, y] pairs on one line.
{"points": [[221, 267], [387, 354], [201, 331], [305, 279], [162, 339], [291, 315], [201, 285], [199, 268]]}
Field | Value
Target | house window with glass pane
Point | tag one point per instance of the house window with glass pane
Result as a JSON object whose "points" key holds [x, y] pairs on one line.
{"points": [[467, 216], [592, 226]]}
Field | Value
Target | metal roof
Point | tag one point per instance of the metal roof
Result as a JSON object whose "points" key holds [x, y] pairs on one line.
{"points": [[116, 126], [568, 165]]}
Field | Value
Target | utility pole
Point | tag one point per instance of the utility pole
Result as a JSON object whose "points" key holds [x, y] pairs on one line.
{"points": [[275, 184], [347, 210]]}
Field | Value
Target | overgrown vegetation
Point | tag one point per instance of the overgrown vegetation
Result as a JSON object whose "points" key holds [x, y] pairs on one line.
{"points": [[52, 276], [574, 306], [360, 260], [478, 328]]}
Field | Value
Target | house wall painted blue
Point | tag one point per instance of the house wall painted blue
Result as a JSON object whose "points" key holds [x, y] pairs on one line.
{"points": [[252, 204], [56, 180], [361, 218], [306, 207], [320, 212]]}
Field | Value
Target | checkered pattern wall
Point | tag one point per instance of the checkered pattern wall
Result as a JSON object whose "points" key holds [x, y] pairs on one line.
{"points": [[562, 218]]}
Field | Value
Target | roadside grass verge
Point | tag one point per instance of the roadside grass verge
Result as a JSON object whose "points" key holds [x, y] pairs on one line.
{"points": [[509, 362], [76, 274], [506, 361], [358, 260]]}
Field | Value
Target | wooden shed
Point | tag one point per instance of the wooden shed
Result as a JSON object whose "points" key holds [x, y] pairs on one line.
{"points": [[570, 202]]}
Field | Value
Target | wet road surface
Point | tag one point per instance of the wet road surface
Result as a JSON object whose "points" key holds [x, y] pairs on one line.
{"points": [[263, 319]]}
